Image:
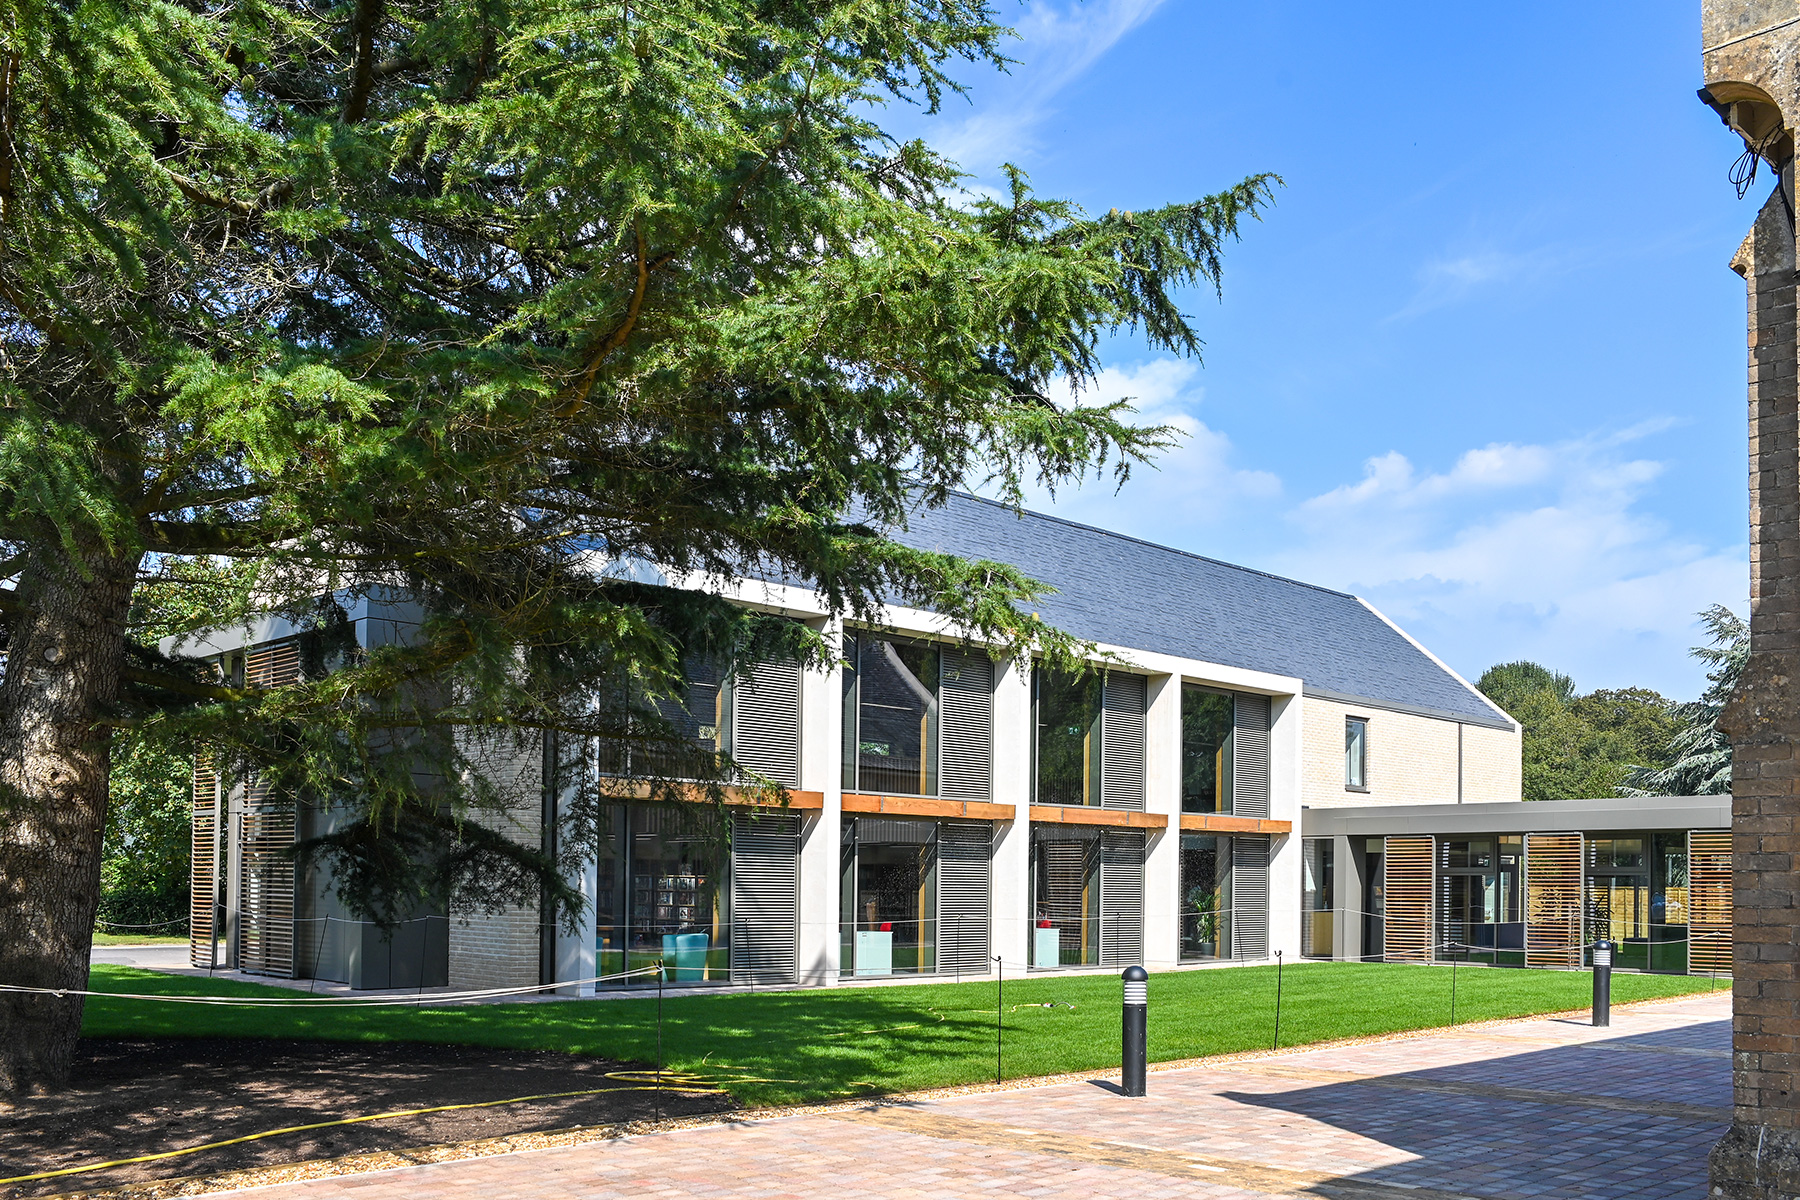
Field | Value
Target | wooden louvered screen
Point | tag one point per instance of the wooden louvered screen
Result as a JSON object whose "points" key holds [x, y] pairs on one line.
{"points": [[765, 701], [1250, 755], [1121, 897], [1408, 873], [1709, 901], [765, 898], [966, 725], [964, 856], [267, 830], [203, 880], [266, 884], [1553, 900], [1122, 742], [1250, 897]]}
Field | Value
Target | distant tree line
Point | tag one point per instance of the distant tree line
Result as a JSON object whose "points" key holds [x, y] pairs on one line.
{"points": [[1624, 741]]}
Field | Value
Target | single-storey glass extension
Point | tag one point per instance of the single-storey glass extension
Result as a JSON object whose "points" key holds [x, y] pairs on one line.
{"points": [[1527, 884]]}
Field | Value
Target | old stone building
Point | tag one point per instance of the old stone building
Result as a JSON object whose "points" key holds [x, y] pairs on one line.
{"points": [[1750, 55]]}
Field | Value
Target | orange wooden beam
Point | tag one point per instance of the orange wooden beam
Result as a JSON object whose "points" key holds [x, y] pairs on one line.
{"points": [[1082, 814], [1226, 823], [926, 806]]}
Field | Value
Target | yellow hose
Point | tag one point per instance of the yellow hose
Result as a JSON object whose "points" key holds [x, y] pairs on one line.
{"points": [[674, 1080]]}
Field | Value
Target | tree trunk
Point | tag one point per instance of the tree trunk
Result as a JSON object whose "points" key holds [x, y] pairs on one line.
{"points": [[62, 680]]}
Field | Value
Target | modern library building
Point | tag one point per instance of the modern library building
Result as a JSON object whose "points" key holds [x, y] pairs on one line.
{"points": [[1254, 765]]}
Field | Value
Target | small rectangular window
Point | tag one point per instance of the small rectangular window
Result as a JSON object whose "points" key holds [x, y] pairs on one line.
{"points": [[1356, 753]]}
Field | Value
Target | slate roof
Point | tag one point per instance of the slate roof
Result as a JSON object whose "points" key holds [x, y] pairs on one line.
{"points": [[1126, 592]]}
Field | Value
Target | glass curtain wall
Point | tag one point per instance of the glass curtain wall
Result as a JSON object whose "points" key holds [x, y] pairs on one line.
{"points": [[1618, 900], [1065, 892], [1374, 902], [698, 727], [663, 893], [890, 716], [1669, 902], [1479, 901], [1205, 897], [1206, 749], [1065, 743], [1316, 897], [889, 890]]}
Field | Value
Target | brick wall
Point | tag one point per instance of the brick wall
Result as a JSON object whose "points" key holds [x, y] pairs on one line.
{"points": [[489, 950], [1412, 759]]}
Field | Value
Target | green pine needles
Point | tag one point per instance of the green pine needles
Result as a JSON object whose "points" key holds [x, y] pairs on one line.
{"points": [[463, 298]]}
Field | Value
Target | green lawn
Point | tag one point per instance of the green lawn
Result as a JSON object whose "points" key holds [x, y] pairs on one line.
{"points": [[137, 939], [788, 1047]]}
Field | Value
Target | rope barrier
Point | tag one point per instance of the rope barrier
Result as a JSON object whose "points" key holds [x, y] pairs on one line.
{"points": [[414, 1000]]}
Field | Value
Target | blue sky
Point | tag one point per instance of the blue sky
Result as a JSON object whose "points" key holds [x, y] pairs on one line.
{"points": [[1483, 361]]}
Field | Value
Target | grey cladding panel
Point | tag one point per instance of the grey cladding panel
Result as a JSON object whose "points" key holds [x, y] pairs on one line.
{"points": [[1250, 755], [766, 715], [1122, 742], [965, 851], [1250, 897], [966, 726], [765, 898], [1121, 897]]}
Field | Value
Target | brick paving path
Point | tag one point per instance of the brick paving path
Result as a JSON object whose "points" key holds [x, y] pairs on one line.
{"points": [[1530, 1110]]}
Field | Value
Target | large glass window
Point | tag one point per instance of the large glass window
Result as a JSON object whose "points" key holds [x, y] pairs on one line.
{"points": [[1618, 900], [1478, 882], [1356, 753], [889, 897], [663, 893], [698, 727], [1065, 891], [890, 716], [1206, 749], [1669, 902], [1317, 869], [1065, 737], [1205, 897]]}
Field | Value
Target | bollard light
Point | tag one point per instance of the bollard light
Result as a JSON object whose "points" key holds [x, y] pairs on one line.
{"points": [[1603, 952], [1135, 1025]]}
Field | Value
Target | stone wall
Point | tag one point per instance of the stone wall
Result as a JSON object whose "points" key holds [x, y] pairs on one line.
{"points": [[503, 949]]}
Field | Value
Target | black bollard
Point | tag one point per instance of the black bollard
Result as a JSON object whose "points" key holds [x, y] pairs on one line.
{"points": [[1603, 952], [1135, 1023]]}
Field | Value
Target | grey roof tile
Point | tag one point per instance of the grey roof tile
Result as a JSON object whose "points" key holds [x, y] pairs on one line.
{"points": [[1126, 592]]}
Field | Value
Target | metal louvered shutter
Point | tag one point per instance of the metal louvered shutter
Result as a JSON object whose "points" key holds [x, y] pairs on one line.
{"points": [[966, 725], [203, 886], [1122, 742], [1250, 897], [765, 702], [267, 831], [964, 855], [1250, 755], [765, 898], [1121, 897]]}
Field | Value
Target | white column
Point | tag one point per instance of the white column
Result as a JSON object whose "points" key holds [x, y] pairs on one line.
{"points": [[1284, 805], [575, 952], [1162, 796], [821, 749], [1012, 785]]}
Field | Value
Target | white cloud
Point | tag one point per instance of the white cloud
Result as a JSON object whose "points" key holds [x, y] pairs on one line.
{"points": [[1524, 551], [1192, 486], [1057, 44], [1456, 276]]}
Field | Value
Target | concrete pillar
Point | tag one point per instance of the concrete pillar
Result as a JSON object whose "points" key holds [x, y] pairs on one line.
{"points": [[1285, 747], [1012, 913], [821, 770], [1346, 903], [1162, 795]]}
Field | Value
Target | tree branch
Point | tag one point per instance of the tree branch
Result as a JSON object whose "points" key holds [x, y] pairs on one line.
{"points": [[362, 71]]}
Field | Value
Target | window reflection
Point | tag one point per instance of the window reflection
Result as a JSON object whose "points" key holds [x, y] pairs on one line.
{"points": [[1065, 890], [1066, 737], [1205, 897], [890, 716], [1206, 749]]}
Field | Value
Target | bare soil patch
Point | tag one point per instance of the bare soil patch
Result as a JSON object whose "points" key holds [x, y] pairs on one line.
{"points": [[132, 1097]]}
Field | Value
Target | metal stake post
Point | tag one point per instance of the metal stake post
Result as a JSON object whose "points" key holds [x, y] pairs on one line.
{"points": [[1276, 1044], [659, 1044], [999, 1008], [1134, 1026], [1603, 952]]}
